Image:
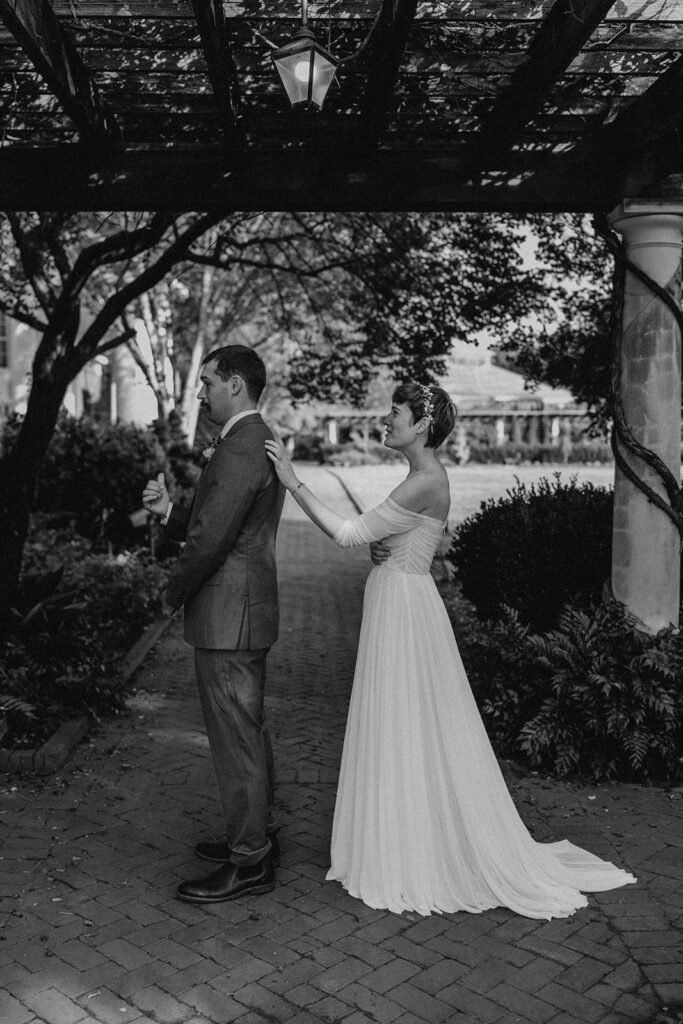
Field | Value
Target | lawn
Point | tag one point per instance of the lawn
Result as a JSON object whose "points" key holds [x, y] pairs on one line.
{"points": [[470, 485]]}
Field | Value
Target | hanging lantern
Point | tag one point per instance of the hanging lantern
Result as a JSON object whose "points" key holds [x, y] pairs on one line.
{"points": [[306, 69]]}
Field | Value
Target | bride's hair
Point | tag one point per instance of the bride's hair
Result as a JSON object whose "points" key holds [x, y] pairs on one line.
{"points": [[431, 401]]}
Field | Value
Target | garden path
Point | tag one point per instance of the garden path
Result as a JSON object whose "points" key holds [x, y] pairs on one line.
{"points": [[91, 858]]}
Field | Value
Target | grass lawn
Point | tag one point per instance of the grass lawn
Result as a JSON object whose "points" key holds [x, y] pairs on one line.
{"points": [[470, 485]]}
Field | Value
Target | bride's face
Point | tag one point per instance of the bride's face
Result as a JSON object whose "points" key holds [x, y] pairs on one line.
{"points": [[401, 428]]}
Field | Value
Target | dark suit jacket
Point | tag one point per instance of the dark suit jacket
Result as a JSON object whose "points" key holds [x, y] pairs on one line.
{"points": [[226, 576]]}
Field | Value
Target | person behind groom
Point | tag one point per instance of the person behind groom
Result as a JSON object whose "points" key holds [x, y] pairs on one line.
{"points": [[225, 578]]}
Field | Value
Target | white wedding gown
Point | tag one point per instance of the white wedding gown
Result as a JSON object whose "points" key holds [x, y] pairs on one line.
{"points": [[423, 819]]}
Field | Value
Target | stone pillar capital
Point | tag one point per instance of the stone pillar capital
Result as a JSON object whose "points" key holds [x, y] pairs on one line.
{"points": [[653, 232]]}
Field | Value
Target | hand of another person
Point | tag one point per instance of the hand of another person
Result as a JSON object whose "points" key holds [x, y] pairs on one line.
{"points": [[166, 608], [277, 453], [155, 496], [379, 552]]}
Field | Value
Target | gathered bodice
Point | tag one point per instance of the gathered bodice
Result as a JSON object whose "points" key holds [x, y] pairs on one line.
{"points": [[412, 536]]}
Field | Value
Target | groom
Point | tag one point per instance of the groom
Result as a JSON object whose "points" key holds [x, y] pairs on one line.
{"points": [[226, 580]]}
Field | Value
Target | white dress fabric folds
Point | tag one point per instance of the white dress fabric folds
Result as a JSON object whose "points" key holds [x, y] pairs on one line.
{"points": [[423, 819]]}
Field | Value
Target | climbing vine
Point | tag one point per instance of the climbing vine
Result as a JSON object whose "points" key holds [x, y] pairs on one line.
{"points": [[622, 434]]}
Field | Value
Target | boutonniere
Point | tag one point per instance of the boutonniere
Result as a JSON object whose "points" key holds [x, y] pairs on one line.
{"points": [[208, 452]]}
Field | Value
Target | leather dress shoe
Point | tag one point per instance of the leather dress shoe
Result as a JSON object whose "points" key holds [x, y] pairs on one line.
{"points": [[229, 882], [219, 853]]}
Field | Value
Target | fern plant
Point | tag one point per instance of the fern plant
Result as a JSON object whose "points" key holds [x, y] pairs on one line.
{"points": [[592, 697]]}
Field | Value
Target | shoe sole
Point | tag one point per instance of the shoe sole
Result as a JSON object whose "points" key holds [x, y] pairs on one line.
{"points": [[254, 890]]}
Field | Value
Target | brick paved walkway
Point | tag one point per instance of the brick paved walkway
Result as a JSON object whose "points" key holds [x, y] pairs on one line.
{"points": [[91, 858]]}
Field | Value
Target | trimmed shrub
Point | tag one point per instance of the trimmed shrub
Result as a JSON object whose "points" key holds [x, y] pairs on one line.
{"points": [[534, 550]]}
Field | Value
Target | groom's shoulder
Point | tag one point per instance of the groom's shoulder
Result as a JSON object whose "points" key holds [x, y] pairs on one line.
{"points": [[245, 439]]}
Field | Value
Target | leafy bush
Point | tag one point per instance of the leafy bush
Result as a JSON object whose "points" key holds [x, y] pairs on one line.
{"points": [[310, 448], [72, 623], [95, 471], [183, 462], [516, 453], [593, 697], [373, 454], [534, 550]]}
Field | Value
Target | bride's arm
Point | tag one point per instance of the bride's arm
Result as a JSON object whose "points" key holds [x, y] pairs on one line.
{"points": [[326, 518], [383, 521]]}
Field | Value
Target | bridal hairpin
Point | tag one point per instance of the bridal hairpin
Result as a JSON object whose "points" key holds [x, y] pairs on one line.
{"points": [[427, 400]]}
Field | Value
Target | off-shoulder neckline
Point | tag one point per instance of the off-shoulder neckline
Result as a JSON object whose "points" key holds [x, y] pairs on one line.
{"points": [[421, 515]]}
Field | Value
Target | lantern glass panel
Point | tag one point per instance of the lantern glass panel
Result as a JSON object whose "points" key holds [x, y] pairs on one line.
{"points": [[323, 73], [294, 70]]}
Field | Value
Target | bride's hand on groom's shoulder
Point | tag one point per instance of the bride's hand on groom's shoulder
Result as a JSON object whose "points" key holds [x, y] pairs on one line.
{"points": [[277, 453]]}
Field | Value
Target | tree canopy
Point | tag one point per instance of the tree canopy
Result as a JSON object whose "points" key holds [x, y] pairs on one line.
{"points": [[330, 298]]}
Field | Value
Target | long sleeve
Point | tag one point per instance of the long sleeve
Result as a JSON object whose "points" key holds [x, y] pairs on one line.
{"points": [[175, 527], [383, 521]]}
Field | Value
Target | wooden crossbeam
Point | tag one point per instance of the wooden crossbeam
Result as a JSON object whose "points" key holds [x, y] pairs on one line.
{"points": [[36, 28], [560, 37], [171, 179], [386, 48], [644, 143], [222, 71]]}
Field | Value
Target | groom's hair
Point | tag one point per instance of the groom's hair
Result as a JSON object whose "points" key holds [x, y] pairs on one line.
{"points": [[240, 361]]}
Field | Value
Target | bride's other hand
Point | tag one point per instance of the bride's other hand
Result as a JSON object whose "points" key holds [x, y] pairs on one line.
{"points": [[379, 552], [276, 452]]}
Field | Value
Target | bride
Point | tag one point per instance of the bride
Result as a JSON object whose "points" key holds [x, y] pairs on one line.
{"points": [[423, 819]]}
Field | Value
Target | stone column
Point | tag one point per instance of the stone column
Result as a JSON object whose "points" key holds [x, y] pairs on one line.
{"points": [[646, 545], [517, 428], [500, 431], [332, 432]]}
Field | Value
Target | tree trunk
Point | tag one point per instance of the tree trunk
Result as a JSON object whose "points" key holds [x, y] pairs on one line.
{"points": [[18, 476], [20, 467]]}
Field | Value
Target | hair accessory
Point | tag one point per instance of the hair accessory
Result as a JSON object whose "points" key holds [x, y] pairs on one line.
{"points": [[427, 401]]}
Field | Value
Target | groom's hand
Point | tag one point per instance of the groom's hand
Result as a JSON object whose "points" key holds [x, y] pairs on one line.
{"points": [[379, 552], [155, 496]]}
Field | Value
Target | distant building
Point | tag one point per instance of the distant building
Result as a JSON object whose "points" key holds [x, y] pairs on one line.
{"points": [[112, 384], [493, 401], [494, 406]]}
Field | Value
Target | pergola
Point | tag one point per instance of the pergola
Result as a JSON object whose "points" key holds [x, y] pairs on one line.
{"points": [[450, 104], [480, 105]]}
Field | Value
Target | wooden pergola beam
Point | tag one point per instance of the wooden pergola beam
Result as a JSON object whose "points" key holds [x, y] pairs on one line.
{"points": [[168, 179], [386, 46], [560, 37], [635, 154], [38, 31], [644, 144], [213, 30]]}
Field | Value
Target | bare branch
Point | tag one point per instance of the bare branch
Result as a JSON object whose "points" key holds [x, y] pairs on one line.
{"points": [[32, 264], [116, 305]]}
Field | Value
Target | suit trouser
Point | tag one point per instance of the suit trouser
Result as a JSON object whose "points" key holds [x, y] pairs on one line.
{"points": [[231, 687]]}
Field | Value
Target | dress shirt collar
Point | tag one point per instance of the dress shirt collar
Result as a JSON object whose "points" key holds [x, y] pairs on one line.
{"points": [[234, 419]]}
